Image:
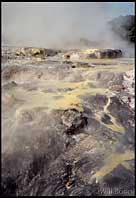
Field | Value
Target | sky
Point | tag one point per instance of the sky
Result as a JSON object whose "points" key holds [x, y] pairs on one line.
{"points": [[122, 8], [48, 23]]}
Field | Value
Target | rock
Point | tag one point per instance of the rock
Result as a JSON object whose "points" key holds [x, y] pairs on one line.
{"points": [[8, 99], [120, 111], [129, 81], [67, 62], [109, 79], [20, 52], [9, 85], [29, 51], [73, 120], [52, 151], [106, 119], [116, 87], [51, 52], [94, 53], [129, 86], [9, 72], [97, 101], [75, 56], [82, 64], [36, 52], [114, 180], [25, 116], [104, 53]]}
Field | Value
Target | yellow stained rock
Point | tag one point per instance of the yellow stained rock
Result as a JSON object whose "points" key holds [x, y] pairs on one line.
{"points": [[115, 126], [112, 162], [35, 51], [89, 51], [66, 96], [20, 51]]}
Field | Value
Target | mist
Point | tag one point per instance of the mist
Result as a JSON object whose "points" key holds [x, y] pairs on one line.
{"points": [[58, 25]]}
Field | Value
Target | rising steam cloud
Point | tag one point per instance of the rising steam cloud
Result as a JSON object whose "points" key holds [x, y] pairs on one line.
{"points": [[57, 25]]}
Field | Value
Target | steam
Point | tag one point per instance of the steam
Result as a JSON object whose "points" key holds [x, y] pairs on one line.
{"points": [[58, 25]]}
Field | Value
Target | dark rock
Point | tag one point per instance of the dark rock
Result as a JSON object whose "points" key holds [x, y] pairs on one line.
{"points": [[97, 101], [120, 110], [8, 186], [120, 181], [67, 62], [108, 79], [106, 118], [9, 85], [73, 120]]}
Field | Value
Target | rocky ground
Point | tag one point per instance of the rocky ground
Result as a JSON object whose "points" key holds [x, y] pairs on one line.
{"points": [[67, 122]]}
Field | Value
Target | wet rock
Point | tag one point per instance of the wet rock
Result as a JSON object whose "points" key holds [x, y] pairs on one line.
{"points": [[73, 120]]}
